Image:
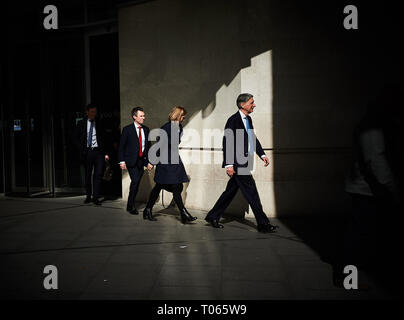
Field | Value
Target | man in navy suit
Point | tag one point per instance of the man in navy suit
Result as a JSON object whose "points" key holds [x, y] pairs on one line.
{"points": [[90, 139], [239, 146], [132, 154]]}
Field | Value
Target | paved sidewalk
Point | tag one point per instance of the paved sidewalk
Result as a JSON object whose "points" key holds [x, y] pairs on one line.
{"points": [[106, 253]]}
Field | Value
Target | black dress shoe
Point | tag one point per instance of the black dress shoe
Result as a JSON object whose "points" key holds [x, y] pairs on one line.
{"points": [[186, 216], [88, 200], [215, 224], [148, 214], [266, 228], [97, 202], [133, 211]]}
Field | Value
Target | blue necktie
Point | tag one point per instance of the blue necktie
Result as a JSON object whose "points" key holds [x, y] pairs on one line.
{"points": [[250, 138], [90, 134]]}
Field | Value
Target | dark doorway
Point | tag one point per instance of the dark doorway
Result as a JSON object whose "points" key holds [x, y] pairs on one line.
{"points": [[47, 79], [104, 78]]}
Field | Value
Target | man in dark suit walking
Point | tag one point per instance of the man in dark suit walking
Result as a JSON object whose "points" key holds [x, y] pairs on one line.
{"points": [[90, 139], [239, 146], [133, 149]]}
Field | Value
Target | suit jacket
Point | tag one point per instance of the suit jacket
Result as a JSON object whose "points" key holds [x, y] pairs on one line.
{"points": [[170, 173], [80, 138], [234, 123], [129, 145]]}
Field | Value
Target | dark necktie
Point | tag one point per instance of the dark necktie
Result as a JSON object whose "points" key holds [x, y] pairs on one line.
{"points": [[140, 142], [90, 134]]}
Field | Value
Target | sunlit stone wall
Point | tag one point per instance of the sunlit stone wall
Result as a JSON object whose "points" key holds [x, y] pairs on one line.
{"points": [[201, 55]]}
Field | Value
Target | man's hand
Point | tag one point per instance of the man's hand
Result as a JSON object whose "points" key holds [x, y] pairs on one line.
{"points": [[106, 157], [230, 171], [266, 160], [123, 166], [150, 166]]}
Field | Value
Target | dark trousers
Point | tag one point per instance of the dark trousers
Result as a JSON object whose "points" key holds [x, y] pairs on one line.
{"points": [[176, 189], [247, 186], [136, 174], [94, 159]]}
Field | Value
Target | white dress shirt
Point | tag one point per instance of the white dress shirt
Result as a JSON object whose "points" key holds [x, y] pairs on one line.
{"points": [[244, 119], [143, 137], [94, 143]]}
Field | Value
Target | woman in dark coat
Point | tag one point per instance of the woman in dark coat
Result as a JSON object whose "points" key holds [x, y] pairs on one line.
{"points": [[170, 171]]}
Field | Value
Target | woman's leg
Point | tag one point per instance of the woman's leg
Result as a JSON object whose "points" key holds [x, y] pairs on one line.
{"points": [[176, 190], [185, 215], [154, 194]]}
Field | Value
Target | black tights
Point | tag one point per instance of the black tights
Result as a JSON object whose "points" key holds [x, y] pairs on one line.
{"points": [[176, 189]]}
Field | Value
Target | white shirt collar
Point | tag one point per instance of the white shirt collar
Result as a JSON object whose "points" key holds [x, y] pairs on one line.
{"points": [[243, 116], [136, 125]]}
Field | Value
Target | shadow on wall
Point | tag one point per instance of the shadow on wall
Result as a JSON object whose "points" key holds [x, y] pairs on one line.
{"points": [[186, 62]]}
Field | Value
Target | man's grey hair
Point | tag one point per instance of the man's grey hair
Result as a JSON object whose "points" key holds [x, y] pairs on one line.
{"points": [[242, 98]]}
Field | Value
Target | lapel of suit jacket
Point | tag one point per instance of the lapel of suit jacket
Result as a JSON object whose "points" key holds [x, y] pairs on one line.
{"points": [[146, 135], [134, 128], [97, 131]]}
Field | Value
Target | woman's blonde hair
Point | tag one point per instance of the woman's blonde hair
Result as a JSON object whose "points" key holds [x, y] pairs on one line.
{"points": [[176, 113]]}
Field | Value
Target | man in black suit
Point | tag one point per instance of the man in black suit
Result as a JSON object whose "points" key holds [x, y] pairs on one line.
{"points": [[239, 146], [133, 149], [90, 139]]}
